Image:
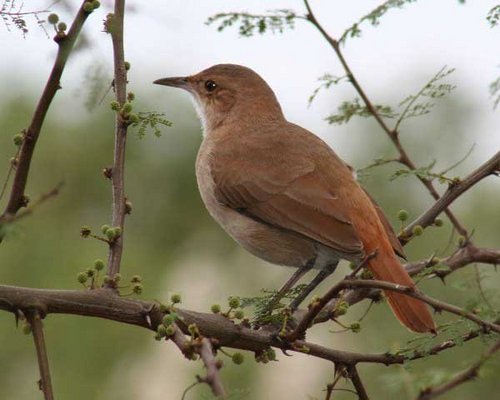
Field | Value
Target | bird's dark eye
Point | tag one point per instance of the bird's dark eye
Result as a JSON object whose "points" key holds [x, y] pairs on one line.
{"points": [[210, 85]]}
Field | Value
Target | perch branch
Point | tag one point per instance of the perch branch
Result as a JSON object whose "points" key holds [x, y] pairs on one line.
{"points": [[105, 303]]}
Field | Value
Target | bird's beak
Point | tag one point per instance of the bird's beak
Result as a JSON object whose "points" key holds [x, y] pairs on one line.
{"points": [[181, 82]]}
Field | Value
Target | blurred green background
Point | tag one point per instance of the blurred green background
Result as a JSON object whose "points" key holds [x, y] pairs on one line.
{"points": [[174, 245]]}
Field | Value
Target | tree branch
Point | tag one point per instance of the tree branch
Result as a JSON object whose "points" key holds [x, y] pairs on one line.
{"points": [[118, 170], [41, 352], [393, 134], [66, 43], [105, 303], [490, 167], [213, 377], [356, 381], [309, 318], [463, 377]]}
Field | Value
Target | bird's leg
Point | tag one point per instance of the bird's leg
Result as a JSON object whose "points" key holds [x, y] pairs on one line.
{"points": [[299, 273], [322, 275]]}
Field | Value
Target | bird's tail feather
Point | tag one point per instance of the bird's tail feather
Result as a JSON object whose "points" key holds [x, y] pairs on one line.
{"points": [[411, 312]]}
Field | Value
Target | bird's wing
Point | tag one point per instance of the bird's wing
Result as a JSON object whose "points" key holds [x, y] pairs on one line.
{"points": [[285, 188]]}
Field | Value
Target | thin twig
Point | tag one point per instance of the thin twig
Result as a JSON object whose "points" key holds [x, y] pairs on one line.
{"points": [[213, 377], [118, 170], [463, 377], [393, 134], [41, 352], [356, 381], [29, 210], [490, 167], [66, 43]]}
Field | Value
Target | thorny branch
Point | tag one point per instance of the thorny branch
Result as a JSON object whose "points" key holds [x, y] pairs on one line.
{"points": [[213, 377], [352, 372], [118, 170], [105, 303], [66, 43], [41, 352], [392, 133], [463, 377]]}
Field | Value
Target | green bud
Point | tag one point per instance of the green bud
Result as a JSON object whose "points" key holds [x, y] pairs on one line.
{"points": [[158, 336], [193, 330], [234, 302], [238, 358], [90, 272], [85, 231], [106, 279], [168, 320], [163, 308], [18, 139], [115, 105], [341, 308], [112, 233], [133, 118], [99, 264], [417, 230], [118, 231], [136, 279], [104, 228], [435, 261], [26, 328], [438, 222], [355, 327], [117, 277], [271, 354], [366, 274], [130, 96], [402, 215], [162, 330], [215, 308], [87, 7], [170, 330], [96, 4], [61, 26], [137, 288], [127, 65], [82, 277], [461, 241], [176, 298], [53, 19], [126, 108], [239, 314]]}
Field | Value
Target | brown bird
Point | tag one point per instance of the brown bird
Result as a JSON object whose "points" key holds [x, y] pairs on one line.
{"points": [[282, 193]]}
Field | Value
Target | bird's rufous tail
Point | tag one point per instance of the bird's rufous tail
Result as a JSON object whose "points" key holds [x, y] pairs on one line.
{"points": [[412, 313]]}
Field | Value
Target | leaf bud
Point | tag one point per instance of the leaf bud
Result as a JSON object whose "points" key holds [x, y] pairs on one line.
{"points": [[53, 19], [238, 358], [234, 302], [99, 264], [402, 215], [215, 308]]}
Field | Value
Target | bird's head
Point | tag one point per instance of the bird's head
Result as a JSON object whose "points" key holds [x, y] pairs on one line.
{"points": [[228, 92]]}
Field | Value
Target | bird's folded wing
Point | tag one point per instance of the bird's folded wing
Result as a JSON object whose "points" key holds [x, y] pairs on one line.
{"points": [[290, 194]]}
